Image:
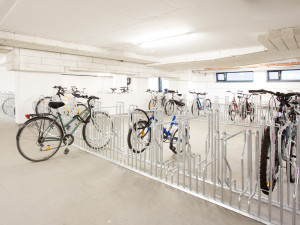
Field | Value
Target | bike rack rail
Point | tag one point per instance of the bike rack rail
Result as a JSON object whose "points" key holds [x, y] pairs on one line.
{"points": [[207, 171]]}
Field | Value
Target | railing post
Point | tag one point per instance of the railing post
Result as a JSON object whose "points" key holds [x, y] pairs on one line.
{"points": [[298, 158], [223, 147], [249, 150]]}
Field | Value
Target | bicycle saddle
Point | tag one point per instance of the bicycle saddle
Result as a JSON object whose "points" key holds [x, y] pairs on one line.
{"points": [[179, 103], [56, 105]]}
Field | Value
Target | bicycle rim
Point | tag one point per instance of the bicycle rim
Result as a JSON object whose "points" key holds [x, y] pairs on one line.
{"points": [[39, 139], [96, 133]]}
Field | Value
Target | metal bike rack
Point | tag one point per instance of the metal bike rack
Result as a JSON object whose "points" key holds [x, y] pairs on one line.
{"points": [[212, 176]]}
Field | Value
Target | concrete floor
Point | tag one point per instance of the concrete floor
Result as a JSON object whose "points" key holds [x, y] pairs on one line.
{"points": [[83, 189]]}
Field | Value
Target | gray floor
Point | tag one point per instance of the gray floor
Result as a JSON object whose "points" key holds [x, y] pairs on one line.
{"points": [[83, 189]]}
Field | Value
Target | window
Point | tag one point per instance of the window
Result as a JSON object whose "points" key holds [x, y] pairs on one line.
{"points": [[273, 75], [284, 75], [235, 77]]}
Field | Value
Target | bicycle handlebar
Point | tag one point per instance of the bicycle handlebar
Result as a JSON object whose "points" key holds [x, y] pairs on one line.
{"points": [[198, 93], [278, 94], [283, 98]]}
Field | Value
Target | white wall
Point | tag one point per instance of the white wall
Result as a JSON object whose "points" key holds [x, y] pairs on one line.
{"points": [[7, 80], [28, 87], [207, 83]]}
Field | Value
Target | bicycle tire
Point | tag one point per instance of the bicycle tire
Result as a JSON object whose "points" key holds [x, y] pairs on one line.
{"points": [[152, 104], [207, 104], [264, 158], [251, 112], [21, 135], [174, 140], [4, 106], [144, 114], [140, 125], [41, 105], [163, 101], [293, 157], [83, 107], [100, 131], [195, 108], [272, 105], [233, 114], [169, 107]]}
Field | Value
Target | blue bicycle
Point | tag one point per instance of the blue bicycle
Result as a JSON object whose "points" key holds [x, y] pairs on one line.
{"points": [[142, 130], [197, 106]]}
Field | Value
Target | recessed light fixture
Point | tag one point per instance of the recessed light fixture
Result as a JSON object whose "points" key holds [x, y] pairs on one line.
{"points": [[170, 41]]}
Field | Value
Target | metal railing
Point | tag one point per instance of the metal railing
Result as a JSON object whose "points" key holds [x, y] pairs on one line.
{"points": [[223, 169]]}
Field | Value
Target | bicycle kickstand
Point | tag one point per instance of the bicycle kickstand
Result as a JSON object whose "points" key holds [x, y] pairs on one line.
{"points": [[66, 151]]}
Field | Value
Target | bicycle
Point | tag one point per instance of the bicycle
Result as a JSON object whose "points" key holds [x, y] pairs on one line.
{"points": [[8, 106], [197, 106], [239, 108], [172, 102], [142, 130], [286, 112], [41, 106], [154, 101], [41, 136], [124, 90]]}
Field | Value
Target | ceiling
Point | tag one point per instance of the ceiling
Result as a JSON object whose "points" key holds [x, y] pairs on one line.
{"points": [[213, 25]]}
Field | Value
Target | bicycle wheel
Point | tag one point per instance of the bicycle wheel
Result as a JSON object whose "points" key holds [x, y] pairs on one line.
{"points": [[39, 139], [243, 114], [195, 109], [143, 136], [169, 107], [163, 101], [42, 106], [96, 132], [80, 108], [174, 140], [272, 107], [152, 104], [233, 114], [8, 106], [265, 160], [207, 104], [229, 110], [138, 115], [293, 158], [251, 112]]}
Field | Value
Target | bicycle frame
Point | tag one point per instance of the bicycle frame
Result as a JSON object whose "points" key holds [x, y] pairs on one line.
{"points": [[201, 106], [58, 119], [166, 133]]}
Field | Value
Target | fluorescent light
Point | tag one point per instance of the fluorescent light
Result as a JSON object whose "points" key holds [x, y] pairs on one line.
{"points": [[170, 41], [158, 34]]}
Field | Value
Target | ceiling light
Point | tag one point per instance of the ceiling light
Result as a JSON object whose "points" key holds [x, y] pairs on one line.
{"points": [[159, 34], [170, 41]]}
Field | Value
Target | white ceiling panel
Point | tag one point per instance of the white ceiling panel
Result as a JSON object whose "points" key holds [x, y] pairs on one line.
{"points": [[123, 25]]}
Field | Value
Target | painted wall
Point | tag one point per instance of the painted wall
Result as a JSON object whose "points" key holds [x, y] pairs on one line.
{"points": [[7, 80], [29, 86], [207, 83]]}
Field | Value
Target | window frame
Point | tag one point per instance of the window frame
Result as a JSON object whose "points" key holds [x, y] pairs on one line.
{"points": [[280, 76], [234, 81]]}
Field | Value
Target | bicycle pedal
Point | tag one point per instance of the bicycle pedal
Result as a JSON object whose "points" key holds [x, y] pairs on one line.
{"points": [[66, 151]]}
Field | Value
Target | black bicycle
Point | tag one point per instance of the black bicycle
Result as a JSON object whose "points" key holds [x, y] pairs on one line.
{"points": [[173, 102], [286, 112]]}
